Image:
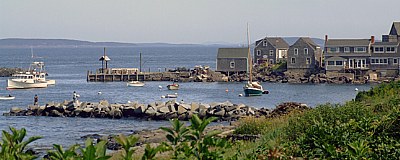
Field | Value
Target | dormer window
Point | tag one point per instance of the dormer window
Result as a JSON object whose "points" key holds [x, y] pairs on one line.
{"points": [[346, 49], [265, 43], [390, 50], [360, 49], [378, 50]]}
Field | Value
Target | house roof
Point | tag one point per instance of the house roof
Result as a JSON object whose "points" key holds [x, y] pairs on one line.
{"points": [[232, 52], [395, 30], [104, 58], [309, 41], [277, 42], [347, 42], [385, 43]]}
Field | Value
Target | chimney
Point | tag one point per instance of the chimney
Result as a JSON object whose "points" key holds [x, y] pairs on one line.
{"points": [[372, 39], [326, 37]]}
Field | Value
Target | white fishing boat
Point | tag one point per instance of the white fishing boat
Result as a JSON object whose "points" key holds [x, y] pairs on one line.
{"points": [[35, 77], [38, 69], [9, 97], [136, 83]]}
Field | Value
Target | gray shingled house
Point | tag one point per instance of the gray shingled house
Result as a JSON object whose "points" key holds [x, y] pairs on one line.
{"points": [[270, 50], [347, 56], [385, 55], [232, 60], [304, 56]]}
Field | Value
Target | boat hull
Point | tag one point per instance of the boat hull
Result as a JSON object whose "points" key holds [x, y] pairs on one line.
{"points": [[6, 98], [135, 84], [173, 87], [252, 92], [13, 84]]}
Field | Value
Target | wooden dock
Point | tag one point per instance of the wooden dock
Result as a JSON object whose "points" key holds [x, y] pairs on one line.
{"points": [[129, 74]]}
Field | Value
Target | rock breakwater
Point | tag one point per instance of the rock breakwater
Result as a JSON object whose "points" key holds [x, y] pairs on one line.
{"points": [[152, 111]]}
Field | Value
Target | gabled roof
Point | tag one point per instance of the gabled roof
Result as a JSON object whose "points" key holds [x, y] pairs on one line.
{"points": [[347, 42], [385, 43], [277, 42], [395, 30], [102, 58], [232, 53], [309, 41]]}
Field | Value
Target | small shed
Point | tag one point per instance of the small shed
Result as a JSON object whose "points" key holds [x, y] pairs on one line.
{"points": [[232, 60]]}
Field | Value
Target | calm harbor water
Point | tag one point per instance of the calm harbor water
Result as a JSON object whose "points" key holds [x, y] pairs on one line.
{"points": [[68, 66]]}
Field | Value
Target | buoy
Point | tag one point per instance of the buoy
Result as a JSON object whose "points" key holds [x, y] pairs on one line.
{"points": [[227, 90], [240, 95], [129, 101], [162, 96], [159, 86], [356, 89], [99, 93]]}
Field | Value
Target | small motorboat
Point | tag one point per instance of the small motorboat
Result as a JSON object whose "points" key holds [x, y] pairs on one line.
{"points": [[170, 96], [135, 84], [173, 86], [9, 97]]}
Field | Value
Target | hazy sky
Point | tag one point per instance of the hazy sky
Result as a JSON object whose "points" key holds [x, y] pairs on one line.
{"points": [[194, 21]]}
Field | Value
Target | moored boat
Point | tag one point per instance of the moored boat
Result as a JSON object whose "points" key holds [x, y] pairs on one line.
{"points": [[24, 80], [35, 77], [9, 97], [173, 86], [252, 88], [135, 84]]}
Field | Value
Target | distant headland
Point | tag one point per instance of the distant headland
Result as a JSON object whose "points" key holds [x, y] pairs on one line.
{"points": [[70, 43]]}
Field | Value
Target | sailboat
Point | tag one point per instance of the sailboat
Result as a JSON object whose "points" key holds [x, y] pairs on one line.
{"points": [[252, 88], [136, 83]]}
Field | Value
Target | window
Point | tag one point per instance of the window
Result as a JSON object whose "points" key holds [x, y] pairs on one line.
{"points": [[381, 61], [390, 49], [378, 50], [296, 51], [265, 43], [293, 60], [334, 49], [359, 49], [305, 50], [346, 49], [331, 63], [339, 63], [258, 52], [271, 52], [308, 60], [232, 64], [395, 61]]}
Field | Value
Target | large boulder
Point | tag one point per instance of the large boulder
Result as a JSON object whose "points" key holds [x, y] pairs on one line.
{"points": [[128, 111], [181, 109], [195, 106], [15, 110]]}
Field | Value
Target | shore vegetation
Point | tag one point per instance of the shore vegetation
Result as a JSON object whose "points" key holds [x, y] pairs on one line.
{"points": [[368, 127]]}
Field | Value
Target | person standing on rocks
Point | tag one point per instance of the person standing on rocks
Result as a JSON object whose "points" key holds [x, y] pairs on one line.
{"points": [[74, 97], [35, 100]]}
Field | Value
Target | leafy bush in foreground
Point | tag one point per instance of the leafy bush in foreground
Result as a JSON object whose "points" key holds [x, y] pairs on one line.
{"points": [[13, 145]]}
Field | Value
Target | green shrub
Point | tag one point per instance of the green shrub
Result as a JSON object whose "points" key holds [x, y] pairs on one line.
{"points": [[13, 145]]}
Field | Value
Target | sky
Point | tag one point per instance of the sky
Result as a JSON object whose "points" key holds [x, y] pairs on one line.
{"points": [[195, 21]]}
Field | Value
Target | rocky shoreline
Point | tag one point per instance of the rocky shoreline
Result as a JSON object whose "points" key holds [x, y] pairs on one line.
{"points": [[225, 111], [7, 72]]}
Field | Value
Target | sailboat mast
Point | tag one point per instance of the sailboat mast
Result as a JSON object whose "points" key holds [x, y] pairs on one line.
{"points": [[248, 55], [140, 61]]}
